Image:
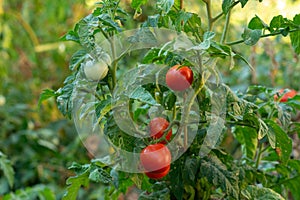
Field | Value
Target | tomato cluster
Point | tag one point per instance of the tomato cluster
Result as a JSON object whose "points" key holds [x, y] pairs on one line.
{"points": [[156, 158]]}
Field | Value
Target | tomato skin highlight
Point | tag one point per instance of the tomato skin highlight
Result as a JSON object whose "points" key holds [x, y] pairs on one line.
{"points": [[286, 96], [159, 173], [155, 157], [157, 127], [179, 79]]}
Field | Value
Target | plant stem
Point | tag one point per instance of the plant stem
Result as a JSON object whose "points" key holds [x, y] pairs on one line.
{"points": [[209, 15], [225, 30], [262, 36], [181, 4], [114, 64], [258, 158]]}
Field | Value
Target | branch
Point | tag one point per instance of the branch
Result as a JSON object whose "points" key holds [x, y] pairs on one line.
{"points": [[181, 4], [262, 36], [209, 15], [225, 30]]}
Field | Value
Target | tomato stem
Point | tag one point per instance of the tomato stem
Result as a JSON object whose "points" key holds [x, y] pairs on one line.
{"points": [[209, 14], [226, 26], [259, 153]]}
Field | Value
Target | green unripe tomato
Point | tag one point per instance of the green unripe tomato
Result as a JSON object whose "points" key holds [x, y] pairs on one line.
{"points": [[95, 70]]}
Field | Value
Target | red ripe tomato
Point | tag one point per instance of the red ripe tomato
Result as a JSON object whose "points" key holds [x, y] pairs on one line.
{"points": [[179, 79], [159, 173], [156, 160], [286, 96], [157, 127]]}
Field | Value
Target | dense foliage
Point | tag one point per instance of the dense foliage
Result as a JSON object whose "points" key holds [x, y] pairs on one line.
{"points": [[251, 155]]}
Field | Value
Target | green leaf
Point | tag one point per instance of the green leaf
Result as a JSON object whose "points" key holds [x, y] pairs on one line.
{"points": [[277, 22], [74, 184], [136, 4], [106, 20], [293, 185], [102, 108], [190, 170], [46, 94], [295, 36], [6, 167], [64, 101], [165, 5], [71, 36], [257, 23], [258, 193], [251, 37], [283, 141], [143, 35], [181, 19], [226, 6], [248, 139], [77, 58], [99, 175], [193, 25], [142, 95], [152, 21], [259, 124], [161, 194], [169, 100], [243, 2], [176, 178], [29, 193], [218, 175]]}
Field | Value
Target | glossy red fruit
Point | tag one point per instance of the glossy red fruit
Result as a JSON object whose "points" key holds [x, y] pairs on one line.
{"points": [[158, 174], [286, 96], [156, 160], [157, 127], [179, 78]]}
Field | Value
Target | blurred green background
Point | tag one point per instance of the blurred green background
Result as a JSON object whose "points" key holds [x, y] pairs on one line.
{"points": [[39, 142]]}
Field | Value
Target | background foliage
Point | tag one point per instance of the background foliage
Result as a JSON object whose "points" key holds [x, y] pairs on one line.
{"points": [[38, 145]]}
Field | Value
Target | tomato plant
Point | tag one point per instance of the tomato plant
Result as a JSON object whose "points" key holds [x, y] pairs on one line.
{"points": [[179, 78], [228, 143], [157, 127]]}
